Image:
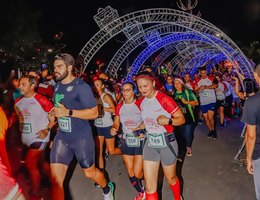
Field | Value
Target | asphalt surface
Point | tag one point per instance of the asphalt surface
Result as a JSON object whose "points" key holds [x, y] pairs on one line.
{"points": [[209, 174]]}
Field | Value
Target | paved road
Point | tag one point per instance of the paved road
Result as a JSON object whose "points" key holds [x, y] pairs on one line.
{"points": [[210, 174]]}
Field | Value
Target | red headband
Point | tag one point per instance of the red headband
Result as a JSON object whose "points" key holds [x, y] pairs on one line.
{"points": [[145, 76]]}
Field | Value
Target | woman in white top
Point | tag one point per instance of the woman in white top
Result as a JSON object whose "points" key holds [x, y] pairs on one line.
{"points": [[104, 125], [128, 114]]}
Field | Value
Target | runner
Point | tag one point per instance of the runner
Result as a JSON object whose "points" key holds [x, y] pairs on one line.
{"points": [[104, 124], [160, 114], [128, 115], [32, 111], [207, 97], [186, 100], [74, 106]]}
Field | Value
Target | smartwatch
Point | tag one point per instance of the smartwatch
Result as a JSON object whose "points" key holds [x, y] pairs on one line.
{"points": [[170, 121], [70, 113]]}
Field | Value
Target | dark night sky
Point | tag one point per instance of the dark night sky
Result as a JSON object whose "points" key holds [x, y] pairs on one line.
{"points": [[239, 19]]}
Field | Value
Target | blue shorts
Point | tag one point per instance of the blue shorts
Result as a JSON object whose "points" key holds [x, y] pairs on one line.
{"points": [[104, 131], [126, 150], [64, 148], [39, 145], [207, 107]]}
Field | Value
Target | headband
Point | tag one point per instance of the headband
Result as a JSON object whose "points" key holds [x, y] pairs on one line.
{"points": [[145, 76], [178, 79]]}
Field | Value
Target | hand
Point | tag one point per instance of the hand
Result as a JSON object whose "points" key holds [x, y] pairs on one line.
{"points": [[61, 111], [202, 87], [42, 134], [162, 120], [113, 131], [249, 166], [184, 101], [51, 116]]}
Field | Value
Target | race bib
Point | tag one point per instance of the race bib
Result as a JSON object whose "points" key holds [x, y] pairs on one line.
{"points": [[99, 121], [205, 93], [220, 96], [65, 124], [156, 140], [132, 141], [184, 110], [26, 128]]}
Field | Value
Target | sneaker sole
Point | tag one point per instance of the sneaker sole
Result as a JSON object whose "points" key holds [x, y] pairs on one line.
{"points": [[112, 188]]}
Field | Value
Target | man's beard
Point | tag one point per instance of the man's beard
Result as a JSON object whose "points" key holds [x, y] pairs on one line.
{"points": [[62, 76]]}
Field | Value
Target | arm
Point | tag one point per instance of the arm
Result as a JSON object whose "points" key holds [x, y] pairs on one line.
{"points": [[213, 86], [177, 119], [115, 125], [89, 113], [250, 145], [238, 93], [139, 127]]}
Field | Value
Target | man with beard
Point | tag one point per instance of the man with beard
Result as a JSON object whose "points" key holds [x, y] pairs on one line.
{"points": [[74, 106]]}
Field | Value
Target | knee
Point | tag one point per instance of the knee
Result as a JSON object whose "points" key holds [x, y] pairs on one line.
{"points": [[56, 182], [90, 173], [151, 187], [139, 175], [131, 172], [111, 151], [171, 179]]}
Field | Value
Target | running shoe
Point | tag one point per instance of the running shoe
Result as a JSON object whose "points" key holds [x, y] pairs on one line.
{"points": [[110, 195], [96, 185], [210, 134], [214, 136], [140, 196]]}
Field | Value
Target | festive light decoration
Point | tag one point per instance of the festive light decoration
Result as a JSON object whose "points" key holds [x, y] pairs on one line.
{"points": [[186, 36]]}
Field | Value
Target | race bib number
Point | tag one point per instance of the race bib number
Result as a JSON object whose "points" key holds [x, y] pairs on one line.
{"points": [[184, 110], [220, 96], [156, 140], [132, 141], [205, 93], [26, 128], [65, 124], [99, 121]]}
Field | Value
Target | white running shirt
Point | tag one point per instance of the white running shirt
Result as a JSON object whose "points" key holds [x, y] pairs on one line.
{"points": [[33, 117]]}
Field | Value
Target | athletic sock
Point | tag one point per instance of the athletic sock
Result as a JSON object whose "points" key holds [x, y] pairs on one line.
{"points": [[176, 190], [106, 189], [153, 196], [136, 183]]}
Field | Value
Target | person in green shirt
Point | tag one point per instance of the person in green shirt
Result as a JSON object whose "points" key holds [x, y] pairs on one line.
{"points": [[186, 100]]}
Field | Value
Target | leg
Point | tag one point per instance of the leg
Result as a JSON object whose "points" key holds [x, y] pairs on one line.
{"points": [[138, 166], [32, 160], [221, 115], [58, 172], [110, 144], [211, 119], [99, 151], [151, 169], [61, 156], [129, 163], [96, 175], [205, 115], [170, 175]]}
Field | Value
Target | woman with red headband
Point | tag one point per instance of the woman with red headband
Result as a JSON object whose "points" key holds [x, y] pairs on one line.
{"points": [[160, 114]]}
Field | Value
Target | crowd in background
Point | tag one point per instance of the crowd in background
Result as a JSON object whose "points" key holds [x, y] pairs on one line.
{"points": [[212, 97]]}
